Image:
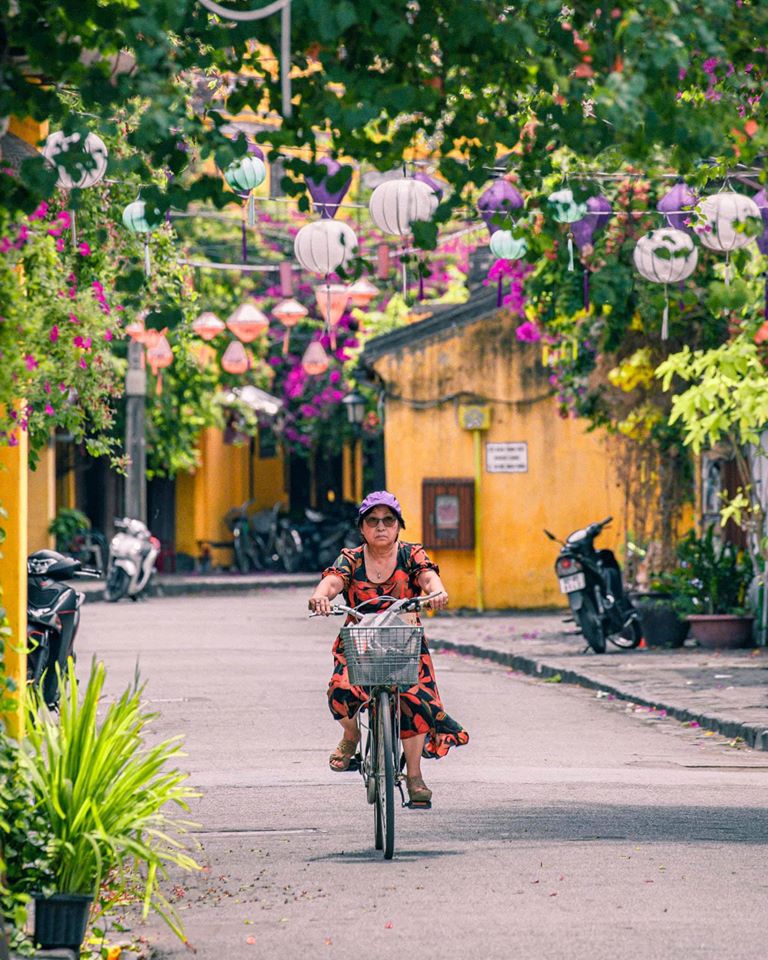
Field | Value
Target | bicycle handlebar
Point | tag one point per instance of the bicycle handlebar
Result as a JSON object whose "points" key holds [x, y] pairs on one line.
{"points": [[406, 604]]}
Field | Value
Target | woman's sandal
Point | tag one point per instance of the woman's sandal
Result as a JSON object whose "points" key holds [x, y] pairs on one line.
{"points": [[419, 793], [341, 757]]}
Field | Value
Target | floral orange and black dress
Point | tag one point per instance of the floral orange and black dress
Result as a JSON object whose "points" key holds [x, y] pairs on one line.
{"points": [[421, 709]]}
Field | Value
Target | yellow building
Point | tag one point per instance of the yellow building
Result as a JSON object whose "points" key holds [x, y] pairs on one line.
{"points": [[536, 469]]}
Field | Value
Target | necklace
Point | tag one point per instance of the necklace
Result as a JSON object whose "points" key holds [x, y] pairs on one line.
{"points": [[379, 568]]}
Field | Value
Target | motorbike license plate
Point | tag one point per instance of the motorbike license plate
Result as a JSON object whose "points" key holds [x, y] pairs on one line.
{"points": [[577, 581]]}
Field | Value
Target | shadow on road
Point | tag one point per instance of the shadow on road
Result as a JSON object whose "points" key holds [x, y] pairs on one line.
{"points": [[595, 822], [359, 856]]}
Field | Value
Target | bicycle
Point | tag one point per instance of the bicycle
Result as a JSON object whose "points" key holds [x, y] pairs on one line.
{"points": [[383, 657]]}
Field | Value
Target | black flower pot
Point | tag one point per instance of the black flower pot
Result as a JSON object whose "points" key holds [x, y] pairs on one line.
{"points": [[61, 920], [662, 627]]}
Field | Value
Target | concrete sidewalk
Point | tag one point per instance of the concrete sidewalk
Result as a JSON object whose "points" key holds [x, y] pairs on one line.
{"points": [[722, 691], [195, 584]]}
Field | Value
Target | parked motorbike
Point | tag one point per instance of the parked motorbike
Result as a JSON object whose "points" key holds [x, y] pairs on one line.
{"points": [[263, 539], [592, 581], [132, 555], [324, 534], [53, 616]]}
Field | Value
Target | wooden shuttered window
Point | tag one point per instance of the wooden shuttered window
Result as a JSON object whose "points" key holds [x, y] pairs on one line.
{"points": [[448, 513]]}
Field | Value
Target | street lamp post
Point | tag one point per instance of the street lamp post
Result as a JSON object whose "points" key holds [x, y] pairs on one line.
{"points": [[135, 440], [355, 406]]}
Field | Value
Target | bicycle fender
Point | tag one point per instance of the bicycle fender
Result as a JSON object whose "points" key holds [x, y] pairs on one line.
{"points": [[576, 600]]}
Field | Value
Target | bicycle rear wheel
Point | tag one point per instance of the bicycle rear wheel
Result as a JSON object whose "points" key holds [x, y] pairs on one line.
{"points": [[385, 777]]}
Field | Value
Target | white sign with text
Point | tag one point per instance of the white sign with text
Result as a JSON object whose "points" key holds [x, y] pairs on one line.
{"points": [[506, 457]]}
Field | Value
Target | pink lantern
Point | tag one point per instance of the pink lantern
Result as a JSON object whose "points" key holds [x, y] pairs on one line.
{"points": [[235, 359], [247, 322], [315, 360], [361, 293], [207, 325], [289, 312]]}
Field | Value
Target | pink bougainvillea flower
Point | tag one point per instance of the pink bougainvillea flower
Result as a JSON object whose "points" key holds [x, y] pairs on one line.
{"points": [[528, 332], [60, 245], [39, 212], [53, 336], [83, 363], [13, 440], [65, 219], [30, 362], [49, 410], [47, 387], [334, 376], [5, 244], [83, 249], [73, 318], [63, 387], [108, 335]]}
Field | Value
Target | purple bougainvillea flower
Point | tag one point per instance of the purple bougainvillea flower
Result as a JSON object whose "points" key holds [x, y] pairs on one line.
{"points": [[30, 362], [53, 336], [49, 410]]}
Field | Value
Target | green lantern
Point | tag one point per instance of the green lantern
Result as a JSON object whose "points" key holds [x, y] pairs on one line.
{"points": [[564, 207], [246, 174], [135, 217], [505, 246], [135, 220]]}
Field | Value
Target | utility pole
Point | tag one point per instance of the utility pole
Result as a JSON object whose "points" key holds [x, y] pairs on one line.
{"points": [[135, 439]]}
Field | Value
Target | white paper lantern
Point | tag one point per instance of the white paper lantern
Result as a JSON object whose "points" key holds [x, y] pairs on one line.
{"points": [[564, 207], [135, 218], [324, 246], [722, 215], [666, 255], [84, 176], [396, 204], [505, 246]]}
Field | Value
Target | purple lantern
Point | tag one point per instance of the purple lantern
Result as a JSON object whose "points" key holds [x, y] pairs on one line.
{"points": [[679, 198], [434, 185], [501, 197], [583, 230], [761, 199], [327, 201]]}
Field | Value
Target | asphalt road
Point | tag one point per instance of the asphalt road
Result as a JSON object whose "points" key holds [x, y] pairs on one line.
{"points": [[568, 828]]}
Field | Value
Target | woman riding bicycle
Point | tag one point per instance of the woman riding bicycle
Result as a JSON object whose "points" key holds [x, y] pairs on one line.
{"points": [[386, 566]]}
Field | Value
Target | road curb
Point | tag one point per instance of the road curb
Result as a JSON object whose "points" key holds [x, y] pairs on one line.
{"points": [[755, 736], [183, 588]]}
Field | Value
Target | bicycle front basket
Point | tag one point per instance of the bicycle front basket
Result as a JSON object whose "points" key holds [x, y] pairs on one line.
{"points": [[383, 656]]}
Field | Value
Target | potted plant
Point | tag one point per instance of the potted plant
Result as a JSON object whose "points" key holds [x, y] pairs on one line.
{"points": [[65, 526], [660, 619], [103, 795], [709, 587]]}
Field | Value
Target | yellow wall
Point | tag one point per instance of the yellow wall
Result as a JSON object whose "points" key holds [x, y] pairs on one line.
{"points": [[220, 483], [42, 500], [569, 484]]}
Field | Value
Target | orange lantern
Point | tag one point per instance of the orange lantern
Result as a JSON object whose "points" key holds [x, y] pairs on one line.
{"points": [[159, 355], [135, 330], [332, 300], [361, 293], [315, 360], [235, 359], [207, 325], [247, 322], [289, 312]]}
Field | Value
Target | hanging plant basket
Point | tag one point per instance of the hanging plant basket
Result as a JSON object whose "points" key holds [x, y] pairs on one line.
{"points": [[61, 921]]}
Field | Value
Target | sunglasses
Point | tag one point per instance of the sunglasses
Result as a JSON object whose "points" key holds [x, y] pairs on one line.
{"points": [[375, 521]]}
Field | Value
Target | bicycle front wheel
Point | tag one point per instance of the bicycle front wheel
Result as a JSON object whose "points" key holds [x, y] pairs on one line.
{"points": [[385, 777]]}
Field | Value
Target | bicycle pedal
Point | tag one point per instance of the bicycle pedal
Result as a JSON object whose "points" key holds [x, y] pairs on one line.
{"points": [[418, 806], [568, 620], [355, 763]]}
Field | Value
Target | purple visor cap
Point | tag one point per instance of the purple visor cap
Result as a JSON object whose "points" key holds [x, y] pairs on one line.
{"points": [[381, 498]]}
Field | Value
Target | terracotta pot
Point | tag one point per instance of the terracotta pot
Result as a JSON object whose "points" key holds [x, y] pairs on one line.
{"points": [[721, 630]]}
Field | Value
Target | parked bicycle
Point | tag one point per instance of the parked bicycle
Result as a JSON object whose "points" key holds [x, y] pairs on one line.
{"points": [[382, 653], [263, 539]]}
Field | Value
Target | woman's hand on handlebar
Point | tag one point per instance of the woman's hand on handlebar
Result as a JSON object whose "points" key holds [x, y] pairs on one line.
{"points": [[440, 602], [320, 605]]}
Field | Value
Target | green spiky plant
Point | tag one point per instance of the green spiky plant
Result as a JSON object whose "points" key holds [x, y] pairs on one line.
{"points": [[105, 795]]}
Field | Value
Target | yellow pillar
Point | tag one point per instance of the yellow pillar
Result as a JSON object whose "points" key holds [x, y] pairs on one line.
{"points": [[13, 574], [42, 500], [477, 438]]}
